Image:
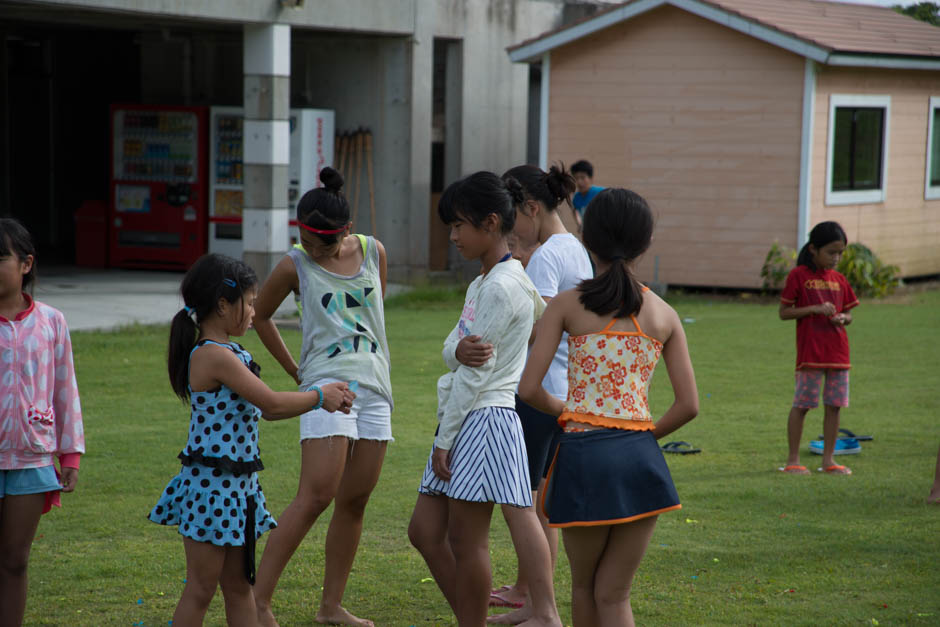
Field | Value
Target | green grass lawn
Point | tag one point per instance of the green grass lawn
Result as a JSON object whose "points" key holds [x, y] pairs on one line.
{"points": [[750, 546]]}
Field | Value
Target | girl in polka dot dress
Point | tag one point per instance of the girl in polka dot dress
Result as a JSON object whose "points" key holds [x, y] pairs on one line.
{"points": [[216, 500], [40, 414]]}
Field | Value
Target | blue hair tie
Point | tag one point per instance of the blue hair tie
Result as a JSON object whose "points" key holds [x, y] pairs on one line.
{"points": [[229, 282], [190, 312]]}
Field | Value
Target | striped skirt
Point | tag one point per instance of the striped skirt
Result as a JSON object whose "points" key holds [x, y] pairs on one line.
{"points": [[488, 462]]}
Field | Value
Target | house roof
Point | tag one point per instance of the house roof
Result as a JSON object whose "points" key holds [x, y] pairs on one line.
{"points": [[835, 33]]}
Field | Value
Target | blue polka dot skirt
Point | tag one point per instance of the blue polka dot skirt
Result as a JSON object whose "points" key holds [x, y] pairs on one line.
{"points": [[211, 505]]}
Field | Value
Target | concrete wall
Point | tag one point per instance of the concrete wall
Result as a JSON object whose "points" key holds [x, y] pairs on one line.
{"points": [[905, 228]]}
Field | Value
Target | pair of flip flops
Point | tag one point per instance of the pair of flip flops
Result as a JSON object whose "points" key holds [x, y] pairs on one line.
{"points": [[797, 469], [680, 448], [848, 444]]}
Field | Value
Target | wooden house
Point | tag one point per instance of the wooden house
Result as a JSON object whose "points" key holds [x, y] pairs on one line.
{"points": [[748, 121]]}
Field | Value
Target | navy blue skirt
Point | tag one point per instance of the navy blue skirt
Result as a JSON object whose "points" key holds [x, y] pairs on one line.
{"points": [[607, 477]]}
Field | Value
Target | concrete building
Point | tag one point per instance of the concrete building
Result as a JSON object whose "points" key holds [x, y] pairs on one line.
{"points": [[429, 78]]}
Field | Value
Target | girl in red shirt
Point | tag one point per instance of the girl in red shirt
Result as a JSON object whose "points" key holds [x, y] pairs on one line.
{"points": [[819, 298]]}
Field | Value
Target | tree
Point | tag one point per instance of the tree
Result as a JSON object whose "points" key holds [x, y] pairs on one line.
{"points": [[925, 11]]}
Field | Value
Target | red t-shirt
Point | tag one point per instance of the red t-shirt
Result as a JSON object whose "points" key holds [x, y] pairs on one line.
{"points": [[819, 343]]}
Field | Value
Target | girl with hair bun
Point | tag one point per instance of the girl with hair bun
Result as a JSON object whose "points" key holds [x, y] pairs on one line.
{"points": [[559, 262], [478, 458], [608, 481], [341, 280]]}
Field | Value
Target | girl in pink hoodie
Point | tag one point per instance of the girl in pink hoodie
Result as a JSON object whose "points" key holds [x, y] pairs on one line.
{"points": [[40, 414]]}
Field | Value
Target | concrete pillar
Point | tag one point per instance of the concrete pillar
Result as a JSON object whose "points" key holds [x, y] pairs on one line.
{"points": [[266, 145], [422, 79]]}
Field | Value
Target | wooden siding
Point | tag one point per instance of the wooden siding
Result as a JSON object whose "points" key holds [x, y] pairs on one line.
{"points": [[905, 228], [703, 121]]}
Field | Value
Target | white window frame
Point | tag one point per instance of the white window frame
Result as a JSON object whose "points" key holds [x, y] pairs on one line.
{"points": [[854, 197], [931, 192]]}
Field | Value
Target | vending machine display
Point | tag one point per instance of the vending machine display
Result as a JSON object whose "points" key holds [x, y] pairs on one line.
{"points": [[158, 186], [311, 149]]}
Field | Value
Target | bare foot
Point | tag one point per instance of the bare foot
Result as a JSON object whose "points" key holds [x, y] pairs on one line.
{"points": [[266, 617], [511, 618], [341, 616], [542, 622], [934, 496]]}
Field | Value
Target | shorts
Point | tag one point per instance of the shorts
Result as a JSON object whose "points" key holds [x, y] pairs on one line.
{"points": [[28, 481], [32, 481], [835, 393], [541, 433], [607, 477], [370, 418], [487, 462]]}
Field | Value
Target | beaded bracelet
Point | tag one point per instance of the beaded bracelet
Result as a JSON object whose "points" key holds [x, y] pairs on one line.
{"points": [[316, 388]]}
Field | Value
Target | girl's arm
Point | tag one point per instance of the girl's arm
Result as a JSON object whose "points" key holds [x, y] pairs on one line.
{"points": [[383, 266], [70, 434], [550, 328], [789, 312], [227, 369], [280, 284], [679, 366]]}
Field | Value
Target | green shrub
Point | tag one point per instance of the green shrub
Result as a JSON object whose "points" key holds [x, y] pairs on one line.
{"points": [[777, 265], [867, 274]]}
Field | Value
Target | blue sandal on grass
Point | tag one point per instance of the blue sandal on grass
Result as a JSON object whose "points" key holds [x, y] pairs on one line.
{"points": [[846, 434], [844, 446], [680, 448]]}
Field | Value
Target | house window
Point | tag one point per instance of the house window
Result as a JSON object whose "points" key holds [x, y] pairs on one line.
{"points": [[858, 141], [932, 185]]}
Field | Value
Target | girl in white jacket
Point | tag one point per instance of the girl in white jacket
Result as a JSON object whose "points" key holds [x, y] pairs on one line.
{"points": [[479, 457]]}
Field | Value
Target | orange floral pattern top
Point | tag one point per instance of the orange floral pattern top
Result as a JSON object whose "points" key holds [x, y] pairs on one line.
{"points": [[609, 374]]}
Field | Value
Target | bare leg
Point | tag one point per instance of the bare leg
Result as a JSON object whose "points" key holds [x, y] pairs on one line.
{"points": [[795, 433], [625, 548], [342, 539], [830, 434], [584, 547], [551, 534], [236, 591], [534, 566], [428, 533], [518, 592], [19, 518], [322, 463], [468, 528], [935, 489], [204, 563]]}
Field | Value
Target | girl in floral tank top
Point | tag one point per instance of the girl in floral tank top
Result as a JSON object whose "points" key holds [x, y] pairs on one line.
{"points": [[608, 481]]}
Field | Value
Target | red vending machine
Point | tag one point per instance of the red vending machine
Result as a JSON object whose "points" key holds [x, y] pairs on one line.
{"points": [[158, 212]]}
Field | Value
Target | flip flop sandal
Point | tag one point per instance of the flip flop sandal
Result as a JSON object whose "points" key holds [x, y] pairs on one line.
{"points": [[835, 469], [501, 589], [848, 435], [680, 448], [497, 600], [794, 469]]}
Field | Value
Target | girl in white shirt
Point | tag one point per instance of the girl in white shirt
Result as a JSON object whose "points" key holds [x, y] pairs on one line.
{"points": [[478, 457]]}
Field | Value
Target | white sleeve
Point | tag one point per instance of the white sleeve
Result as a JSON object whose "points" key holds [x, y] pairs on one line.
{"points": [[546, 271], [450, 350], [494, 315]]}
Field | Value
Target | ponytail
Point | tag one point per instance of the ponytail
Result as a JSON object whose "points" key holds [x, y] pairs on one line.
{"points": [[183, 332], [615, 290], [549, 188], [618, 228]]}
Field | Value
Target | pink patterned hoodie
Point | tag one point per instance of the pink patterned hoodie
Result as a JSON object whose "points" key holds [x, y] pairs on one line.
{"points": [[40, 414]]}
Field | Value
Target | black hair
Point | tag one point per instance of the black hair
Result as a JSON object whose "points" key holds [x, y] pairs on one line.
{"points": [[325, 207], [476, 196], [583, 166], [618, 228], [212, 278], [549, 188], [822, 234], [16, 240]]}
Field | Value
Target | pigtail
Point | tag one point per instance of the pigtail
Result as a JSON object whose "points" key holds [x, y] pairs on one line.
{"points": [[615, 290], [805, 258], [183, 333]]}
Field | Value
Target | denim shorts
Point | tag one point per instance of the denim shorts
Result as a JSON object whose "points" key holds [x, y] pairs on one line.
{"points": [[28, 481]]}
